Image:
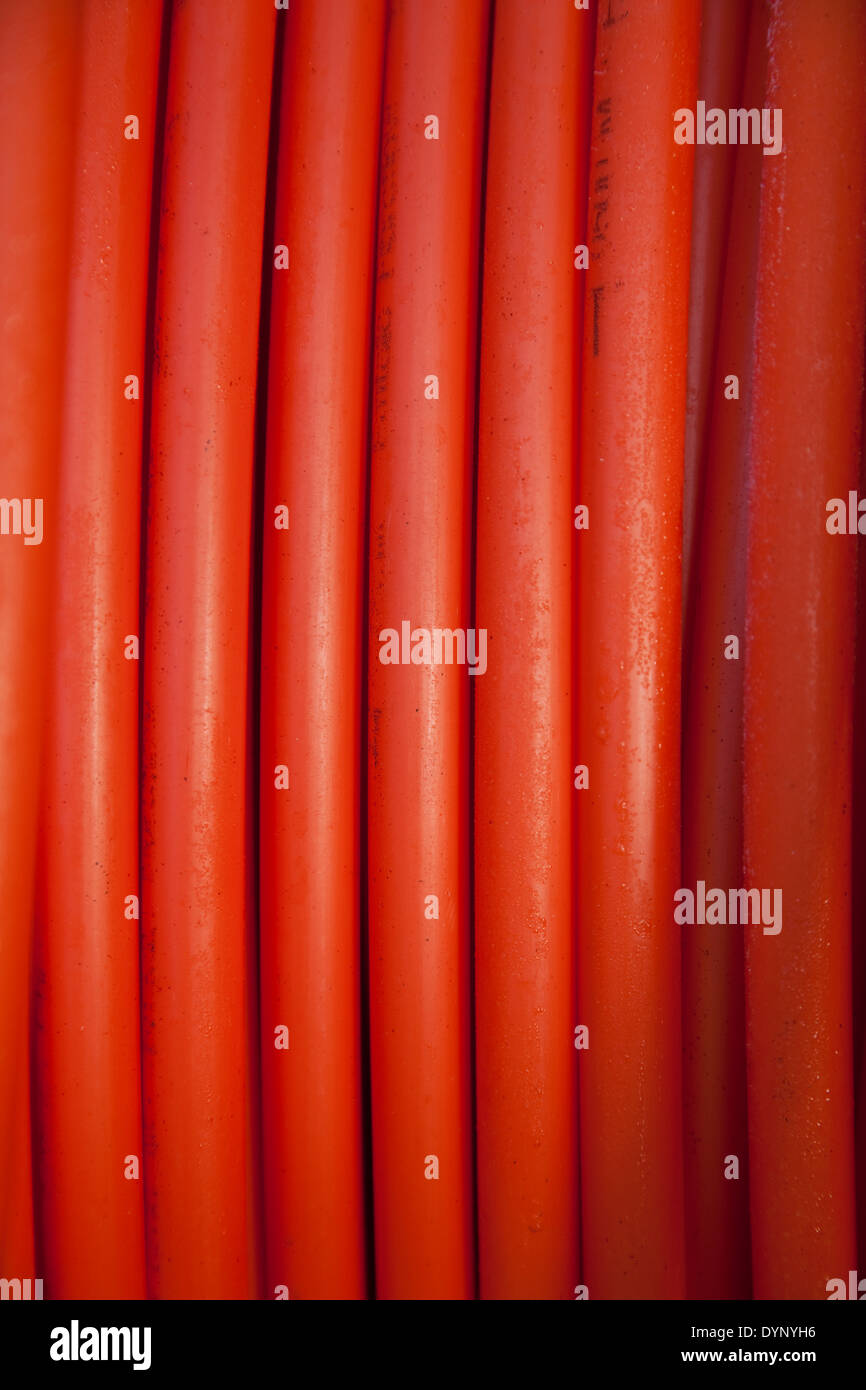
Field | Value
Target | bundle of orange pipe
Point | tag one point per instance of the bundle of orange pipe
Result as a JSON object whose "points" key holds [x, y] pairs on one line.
{"points": [[432, 650]]}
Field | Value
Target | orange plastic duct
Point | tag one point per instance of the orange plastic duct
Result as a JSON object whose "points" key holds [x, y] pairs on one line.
{"points": [[38, 94], [629, 619], [801, 587], [312, 625], [88, 1040], [525, 981], [201, 1163], [418, 737]]}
